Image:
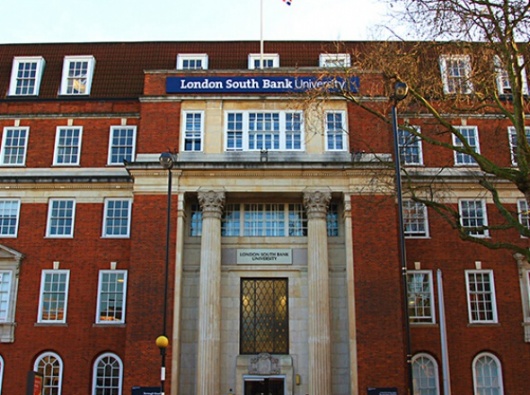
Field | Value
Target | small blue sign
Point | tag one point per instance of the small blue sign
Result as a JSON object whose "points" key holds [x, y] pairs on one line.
{"points": [[258, 84]]}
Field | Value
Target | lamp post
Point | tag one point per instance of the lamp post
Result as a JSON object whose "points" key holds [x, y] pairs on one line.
{"points": [[400, 92], [162, 342]]}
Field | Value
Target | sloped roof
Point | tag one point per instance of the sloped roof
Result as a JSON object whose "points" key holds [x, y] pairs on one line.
{"points": [[119, 70]]}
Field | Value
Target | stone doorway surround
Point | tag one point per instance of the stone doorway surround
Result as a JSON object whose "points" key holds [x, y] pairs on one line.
{"points": [[265, 365]]}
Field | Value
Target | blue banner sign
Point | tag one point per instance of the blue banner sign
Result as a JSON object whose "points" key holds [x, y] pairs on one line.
{"points": [[258, 84], [146, 390], [383, 391]]}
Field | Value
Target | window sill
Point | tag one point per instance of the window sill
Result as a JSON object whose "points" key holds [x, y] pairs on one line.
{"points": [[47, 324], [109, 325]]}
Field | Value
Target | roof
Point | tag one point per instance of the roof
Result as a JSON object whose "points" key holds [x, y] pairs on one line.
{"points": [[119, 69]]}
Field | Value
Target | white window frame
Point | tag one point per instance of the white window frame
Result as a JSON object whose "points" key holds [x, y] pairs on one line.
{"points": [[15, 202], [424, 319], [462, 159], [62, 146], [95, 376], [192, 135], [503, 82], [18, 61], [418, 390], [332, 135], [22, 148], [106, 218], [254, 59], [7, 296], [182, 58], [10, 266], [471, 305], [51, 218], [523, 213], [66, 86], [484, 217], [112, 146], [339, 60], [500, 384], [43, 292], [246, 131], [102, 291], [407, 142], [46, 380], [451, 88], [1, 372], [415, 213], [512, 138]]}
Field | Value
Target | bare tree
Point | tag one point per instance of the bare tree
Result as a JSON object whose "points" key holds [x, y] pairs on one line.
{"points": [[473, 64]]}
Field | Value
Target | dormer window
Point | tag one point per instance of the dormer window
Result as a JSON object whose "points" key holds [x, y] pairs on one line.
{"points": [[26, 76], [456, 74], [77, 75], [503, 81], [192, 61], [334, 60], [266, 60]]}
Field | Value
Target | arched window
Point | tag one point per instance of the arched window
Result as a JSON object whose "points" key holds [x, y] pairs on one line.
{"points": [[425, 375], [108, 375], [487, 375], [50, 366]]}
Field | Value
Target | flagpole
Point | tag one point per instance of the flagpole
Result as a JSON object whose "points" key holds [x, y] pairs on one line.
{"points": [[261, 36]]}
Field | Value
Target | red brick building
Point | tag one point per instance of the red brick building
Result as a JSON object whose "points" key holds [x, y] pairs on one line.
{"points": [[283, 272]]}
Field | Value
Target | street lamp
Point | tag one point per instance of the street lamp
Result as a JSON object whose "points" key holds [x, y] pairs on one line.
{"points": [[400, 92], [162, 342]]}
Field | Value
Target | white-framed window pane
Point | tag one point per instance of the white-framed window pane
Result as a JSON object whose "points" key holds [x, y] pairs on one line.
{"points": [[524, 214], [473, 217], [5, 294], [420, 296], [61, 214], [9, 215], [335, 131], [278, 220], [234, 132], [50, 367], [67, 145], [293, 131], [481, 296], [268, 60], [456, 73], [415, 219], [503, 81], [425, 375], [14, 145], [117, 218], [112, 291], [108, 375], [195, 228], [470, 135], [192, 61], [26, 76], [1, 372], [53, 296], [335, 60], [512, 136], [332, 220], [282, 130], [122, 144], [487, 375], [297, 220], [409, 148], [264, 131], [193, 131], [77, 75]]}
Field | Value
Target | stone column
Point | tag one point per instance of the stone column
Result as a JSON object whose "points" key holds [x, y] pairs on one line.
{"points": [[208, 347], [316, 204]]}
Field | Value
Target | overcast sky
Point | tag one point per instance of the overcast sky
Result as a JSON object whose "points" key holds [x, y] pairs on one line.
{"points": [[31, 21]]}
